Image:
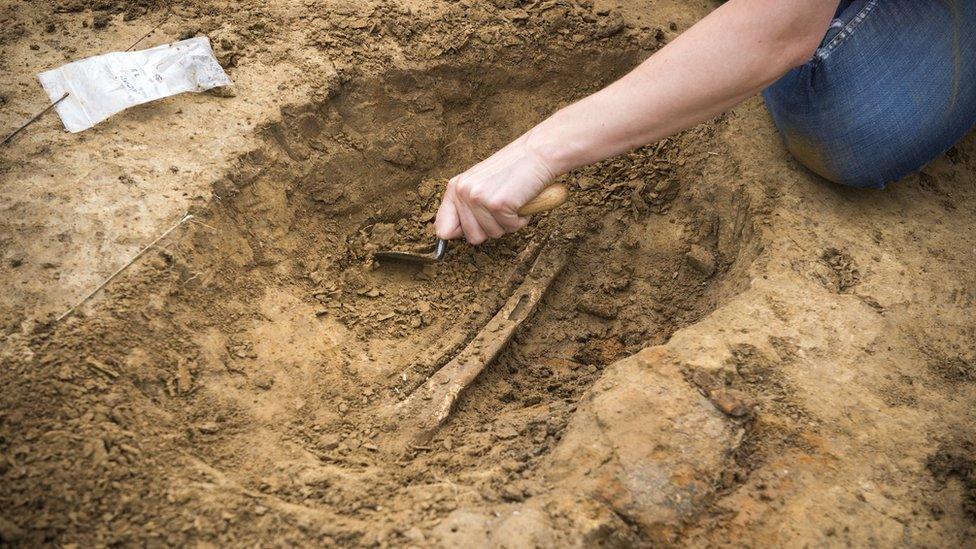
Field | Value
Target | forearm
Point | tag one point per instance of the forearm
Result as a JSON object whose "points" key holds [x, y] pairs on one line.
{"points": [[730, 55]]}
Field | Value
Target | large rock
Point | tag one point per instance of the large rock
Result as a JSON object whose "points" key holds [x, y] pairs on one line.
{"points": [[645, 443]]}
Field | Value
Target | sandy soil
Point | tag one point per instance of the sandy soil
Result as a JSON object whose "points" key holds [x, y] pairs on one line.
{"points": [[735, 353]]}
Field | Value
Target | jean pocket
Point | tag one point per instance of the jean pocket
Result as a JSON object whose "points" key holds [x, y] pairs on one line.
{"points": [[839, 30]]}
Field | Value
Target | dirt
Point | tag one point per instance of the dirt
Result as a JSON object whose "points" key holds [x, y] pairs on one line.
{"points": [[736, 353], [957, 460]]}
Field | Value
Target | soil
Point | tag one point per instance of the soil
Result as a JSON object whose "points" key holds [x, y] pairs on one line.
{"points": [[736, 353]]}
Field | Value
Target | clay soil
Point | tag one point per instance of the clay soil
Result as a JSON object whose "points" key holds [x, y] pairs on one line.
{"points": [[735, 353]]}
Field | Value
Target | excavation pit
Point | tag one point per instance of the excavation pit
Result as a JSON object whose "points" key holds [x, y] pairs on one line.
{"points": [[262, 346]]}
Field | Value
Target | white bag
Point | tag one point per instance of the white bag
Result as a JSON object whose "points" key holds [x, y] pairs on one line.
{"points": [[101, 86]]}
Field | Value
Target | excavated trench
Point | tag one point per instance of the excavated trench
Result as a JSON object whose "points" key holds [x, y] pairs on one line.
{"points": [[273, 344]]}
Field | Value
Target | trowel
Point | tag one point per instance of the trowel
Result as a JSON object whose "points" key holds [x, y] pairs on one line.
{"points": [[550, 198]]}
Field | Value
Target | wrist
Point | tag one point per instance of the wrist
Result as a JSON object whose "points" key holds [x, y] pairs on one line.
{"points": [[551, 149]]}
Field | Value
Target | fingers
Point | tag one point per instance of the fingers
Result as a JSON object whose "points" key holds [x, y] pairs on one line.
{"points": [[509, 221], [512, 222], [464, 211], [473, 232], [488, 223], [447, 224], [483, 202]]}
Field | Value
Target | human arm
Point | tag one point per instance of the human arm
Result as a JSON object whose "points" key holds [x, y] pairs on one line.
{"points": [[730, 55]]}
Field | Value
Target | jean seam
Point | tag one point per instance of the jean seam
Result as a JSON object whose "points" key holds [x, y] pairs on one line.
{"points": [[824, 51]]}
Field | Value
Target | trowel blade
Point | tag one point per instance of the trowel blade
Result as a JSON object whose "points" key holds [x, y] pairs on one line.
{"points": [[413, 257]]}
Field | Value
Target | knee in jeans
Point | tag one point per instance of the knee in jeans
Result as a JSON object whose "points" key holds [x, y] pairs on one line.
{"points": [[862, 181], [837, 168]]}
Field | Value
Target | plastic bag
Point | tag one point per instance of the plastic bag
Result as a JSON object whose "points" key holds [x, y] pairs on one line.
{"points": [[101, 86]]}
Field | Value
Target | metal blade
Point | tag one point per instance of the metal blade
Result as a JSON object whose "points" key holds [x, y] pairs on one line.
{"points": [[413, 257]]}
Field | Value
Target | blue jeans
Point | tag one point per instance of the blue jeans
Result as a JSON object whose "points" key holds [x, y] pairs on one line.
{"points": [[892, 86]]}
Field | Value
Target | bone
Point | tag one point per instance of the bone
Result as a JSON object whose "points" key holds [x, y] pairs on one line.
{"points": [[417, 418]]}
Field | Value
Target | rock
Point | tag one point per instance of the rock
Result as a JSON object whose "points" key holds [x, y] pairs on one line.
{"points": [[610, 25], [506, 433], [730, 402], [100, 21], [222, 91], [208, 428], [65, 373], [383, 234], [481, 259], [184, 381], [511, 492], [401, 155], [511, 466], [264, 380], [701, 260], [639, 410], [598, 307], [101, 367], [415, 535], [329, 442], [189, 32], [96, 449]]}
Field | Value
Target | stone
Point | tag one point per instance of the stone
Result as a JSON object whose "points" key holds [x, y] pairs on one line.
{"points": [[730, 402], [701, 260]]}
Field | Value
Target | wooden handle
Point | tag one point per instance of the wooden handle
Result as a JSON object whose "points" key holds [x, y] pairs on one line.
{"points": [[549, 199]]}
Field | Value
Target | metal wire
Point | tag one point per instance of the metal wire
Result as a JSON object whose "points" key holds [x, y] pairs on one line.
{"points": [[66, 94]]}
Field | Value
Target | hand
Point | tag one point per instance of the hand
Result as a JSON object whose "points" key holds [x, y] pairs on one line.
{"points": [[483, 202]]}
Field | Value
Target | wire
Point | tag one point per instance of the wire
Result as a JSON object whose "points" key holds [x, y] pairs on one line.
{"points": [[37, 116], [135, 258]]}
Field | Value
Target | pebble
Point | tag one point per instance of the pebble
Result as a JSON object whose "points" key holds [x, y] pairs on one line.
{"points": [[208, 428], [264, 380], [701, 260], [506, 433], [601, 308], [730, 402]]}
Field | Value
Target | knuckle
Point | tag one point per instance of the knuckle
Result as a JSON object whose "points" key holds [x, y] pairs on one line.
{"points": [[496, 204], [510, 225], [477, 196], [463, 188]]}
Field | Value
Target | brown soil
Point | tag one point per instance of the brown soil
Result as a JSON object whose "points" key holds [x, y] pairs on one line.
{"points": [[737, 353]]}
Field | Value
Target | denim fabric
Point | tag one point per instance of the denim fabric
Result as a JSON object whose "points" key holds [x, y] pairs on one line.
{"points": [[892, 86]]}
